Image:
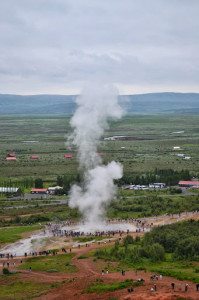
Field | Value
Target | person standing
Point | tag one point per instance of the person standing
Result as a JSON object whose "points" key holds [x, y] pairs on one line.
{"points": [[173, 286], [186, 287]]}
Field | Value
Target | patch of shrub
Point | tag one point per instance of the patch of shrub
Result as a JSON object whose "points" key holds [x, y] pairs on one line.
{"points": [[6, 271]]}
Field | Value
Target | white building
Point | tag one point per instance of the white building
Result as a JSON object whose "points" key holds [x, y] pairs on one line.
{"points": [[180, 155], [53, 189], [157, 185], [9, 190], [187, 157]]}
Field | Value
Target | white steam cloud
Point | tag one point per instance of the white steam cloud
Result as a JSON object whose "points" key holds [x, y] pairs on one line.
{"points": [[96, 105], [99, 190]]}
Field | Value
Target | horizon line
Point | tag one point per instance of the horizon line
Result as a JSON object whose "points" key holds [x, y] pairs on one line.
{"points": [[77, 94]]}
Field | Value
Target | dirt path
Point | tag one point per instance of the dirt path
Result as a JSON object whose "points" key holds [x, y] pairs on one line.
{"points": [[73, 286], [88, 273]]}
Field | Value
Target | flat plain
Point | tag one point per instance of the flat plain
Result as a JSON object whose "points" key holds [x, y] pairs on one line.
{"points": [[143, 144], [149, 145]]}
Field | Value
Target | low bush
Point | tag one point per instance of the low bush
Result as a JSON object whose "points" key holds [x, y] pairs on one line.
{"points": [[6, 271]]}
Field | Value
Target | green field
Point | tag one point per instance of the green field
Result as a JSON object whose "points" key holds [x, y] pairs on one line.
{"points": [[12, 234], [58, 263], [129, 204], [150, 147], [151, 143], [151, 204], [12, 287], [100, 287], [36, 214]]}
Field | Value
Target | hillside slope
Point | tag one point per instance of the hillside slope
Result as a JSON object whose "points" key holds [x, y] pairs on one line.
{"points": [[154, 103]]}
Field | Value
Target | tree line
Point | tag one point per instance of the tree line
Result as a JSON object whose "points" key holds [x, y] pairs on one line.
{"points": [[179, 239], [168, 176]]}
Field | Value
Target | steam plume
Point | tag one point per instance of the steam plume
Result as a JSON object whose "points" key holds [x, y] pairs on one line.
{"points": [[96, 105]]}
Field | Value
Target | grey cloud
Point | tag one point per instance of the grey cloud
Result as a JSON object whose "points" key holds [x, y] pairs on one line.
{"points": [[128, 42]]}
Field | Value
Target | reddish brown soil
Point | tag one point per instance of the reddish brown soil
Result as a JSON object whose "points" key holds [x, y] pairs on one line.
{"points": [[73, 285], [88, 273]]}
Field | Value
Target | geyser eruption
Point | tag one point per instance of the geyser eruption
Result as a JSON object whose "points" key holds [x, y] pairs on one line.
{"points": [[96, 105], [99, 189]]}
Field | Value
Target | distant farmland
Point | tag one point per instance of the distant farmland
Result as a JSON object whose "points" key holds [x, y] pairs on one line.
{"points": [[149, 146]]}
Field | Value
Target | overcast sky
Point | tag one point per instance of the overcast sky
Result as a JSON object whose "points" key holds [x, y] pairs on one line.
{"points": [[54, 46]]}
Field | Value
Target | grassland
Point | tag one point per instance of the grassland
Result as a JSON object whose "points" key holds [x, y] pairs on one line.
{"points": [[28, 213], [150, 147], [57, 263], [13, 287], [129, 204], [152, 204], [12, 234], [100, 287], [181, 270]]}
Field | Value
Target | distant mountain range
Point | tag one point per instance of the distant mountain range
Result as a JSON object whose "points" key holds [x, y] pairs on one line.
{"points": [[144, 104]]}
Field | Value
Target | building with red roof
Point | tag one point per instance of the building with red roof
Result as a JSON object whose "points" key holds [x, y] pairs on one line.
{"points": [[189, 183], [34, 157], [11, 158], [39, 191], [11, 154], [68, 155]]}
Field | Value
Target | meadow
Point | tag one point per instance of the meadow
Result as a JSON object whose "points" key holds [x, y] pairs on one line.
{"points": [[57, 263], [152, 204], [15, 287], [100, 287], [12, 234], [129, 204], [150, 145]]}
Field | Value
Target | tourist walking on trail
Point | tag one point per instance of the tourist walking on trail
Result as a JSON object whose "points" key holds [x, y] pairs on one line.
{"points": [[186, 287], [173, 286], [197, 287], [130, 290]]}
